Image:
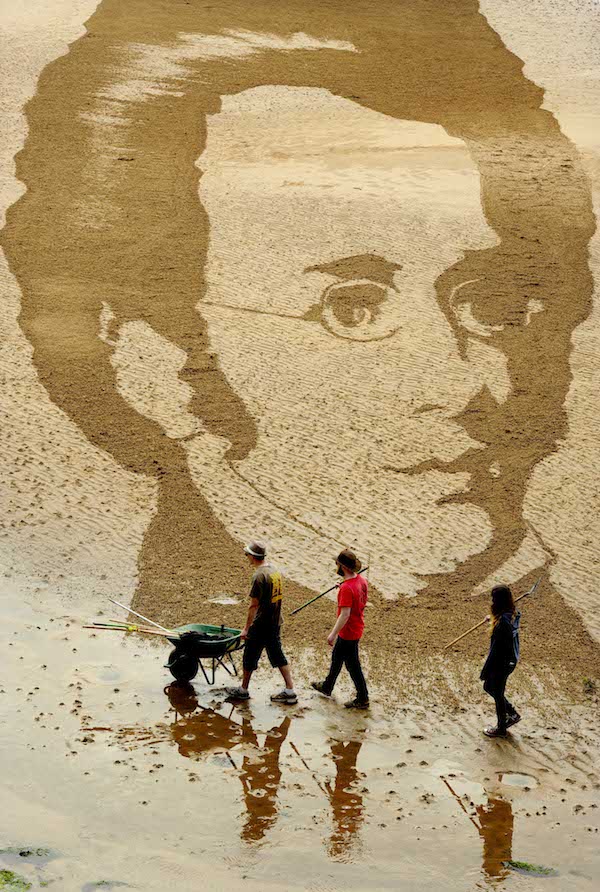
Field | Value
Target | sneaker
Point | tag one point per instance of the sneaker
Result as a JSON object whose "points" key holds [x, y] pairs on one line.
{"points": [[513, 719], [238, 693], [320, 687], [494, 732], [284, 697], [357, 704]]}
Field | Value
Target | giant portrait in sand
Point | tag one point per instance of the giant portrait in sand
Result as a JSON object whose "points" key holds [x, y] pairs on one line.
{"points": [[318, 298]]}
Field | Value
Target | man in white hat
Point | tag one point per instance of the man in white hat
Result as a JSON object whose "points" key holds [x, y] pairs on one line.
{"points": [[263, 627]]}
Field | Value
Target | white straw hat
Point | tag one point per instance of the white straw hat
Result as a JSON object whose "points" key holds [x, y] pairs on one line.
{"points": [[256, 549]]}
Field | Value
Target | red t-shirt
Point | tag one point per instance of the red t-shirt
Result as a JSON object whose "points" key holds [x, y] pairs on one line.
{"points": [[352, 593]]}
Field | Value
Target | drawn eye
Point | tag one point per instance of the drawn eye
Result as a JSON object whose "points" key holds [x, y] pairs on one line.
{"points": [[463, 300], [474, 309], [358, 310]]}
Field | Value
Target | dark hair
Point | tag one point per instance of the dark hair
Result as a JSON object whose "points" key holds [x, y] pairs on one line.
{"points": [[502, 601], [348, 560]]}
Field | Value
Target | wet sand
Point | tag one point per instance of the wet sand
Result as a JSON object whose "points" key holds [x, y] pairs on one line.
{"points": [[123, 782], [114, 482]]}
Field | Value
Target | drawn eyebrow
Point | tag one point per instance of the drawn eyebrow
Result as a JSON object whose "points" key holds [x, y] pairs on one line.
{"points": [[347, 269], [359, 266]]}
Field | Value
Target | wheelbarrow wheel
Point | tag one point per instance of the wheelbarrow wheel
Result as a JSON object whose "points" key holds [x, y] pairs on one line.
{"points": [[182, 666]]}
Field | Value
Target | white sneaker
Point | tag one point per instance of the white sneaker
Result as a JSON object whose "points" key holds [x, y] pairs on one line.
{"points": [[238, 693], [284, 697]]}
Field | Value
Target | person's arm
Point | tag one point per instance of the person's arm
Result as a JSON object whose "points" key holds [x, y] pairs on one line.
{"points": [[490, 659], [498, 657], [256, 593], [250, 618], [504, 644], [339, 624]]}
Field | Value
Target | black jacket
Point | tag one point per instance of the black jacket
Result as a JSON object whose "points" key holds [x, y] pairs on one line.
{"points": [[503, 655]]}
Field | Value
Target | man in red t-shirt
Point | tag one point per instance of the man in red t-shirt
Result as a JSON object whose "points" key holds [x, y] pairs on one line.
{"points": [[347, 631]]}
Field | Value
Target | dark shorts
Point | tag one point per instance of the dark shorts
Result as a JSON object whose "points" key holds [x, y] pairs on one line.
{"points": [[268, 639]]}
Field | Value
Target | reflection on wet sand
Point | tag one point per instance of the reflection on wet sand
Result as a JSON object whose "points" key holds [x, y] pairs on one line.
{"points": [[496, 831], [260, 776], [198, 730], [346, 801], [494, 823]]}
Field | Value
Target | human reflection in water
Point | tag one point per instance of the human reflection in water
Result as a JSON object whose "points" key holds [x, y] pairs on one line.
{"points": [[260, 777], [496, 831], [198, 731], [495, 827], [346, 801]]}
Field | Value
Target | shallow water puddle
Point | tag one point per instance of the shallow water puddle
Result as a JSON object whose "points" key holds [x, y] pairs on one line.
{"points": [[523, 781]]}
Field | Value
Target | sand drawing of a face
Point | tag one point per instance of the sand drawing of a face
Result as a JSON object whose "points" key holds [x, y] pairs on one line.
{"points": [[314, 294], [322, 309]]}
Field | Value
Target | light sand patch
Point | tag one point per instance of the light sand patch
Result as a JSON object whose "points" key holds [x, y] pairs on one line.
{"points": [[348, 414], [147, 368]]}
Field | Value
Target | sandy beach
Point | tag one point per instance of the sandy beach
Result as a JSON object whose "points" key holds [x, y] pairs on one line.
{"points": [[327, 278]]}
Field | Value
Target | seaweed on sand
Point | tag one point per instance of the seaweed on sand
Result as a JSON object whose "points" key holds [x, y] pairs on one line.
{"points": [[531, 869]]}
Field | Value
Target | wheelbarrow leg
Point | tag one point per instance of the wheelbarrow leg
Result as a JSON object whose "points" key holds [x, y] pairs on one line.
{"points": [[220, 662], [204, 673]]}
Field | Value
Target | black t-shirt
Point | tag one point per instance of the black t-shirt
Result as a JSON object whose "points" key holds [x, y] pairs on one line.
{"points": [[266, 588]]}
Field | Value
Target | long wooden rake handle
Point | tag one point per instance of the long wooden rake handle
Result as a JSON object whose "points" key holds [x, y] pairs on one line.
{"points": [[484, 621], [136, 631], [145, 618], [326, 592], [468, 632]]}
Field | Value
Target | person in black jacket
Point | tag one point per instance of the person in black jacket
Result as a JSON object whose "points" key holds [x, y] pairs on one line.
{"points": [[502, 658]]}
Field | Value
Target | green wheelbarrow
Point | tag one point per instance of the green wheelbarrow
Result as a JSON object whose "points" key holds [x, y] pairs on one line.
{"points": [[196, 643]]}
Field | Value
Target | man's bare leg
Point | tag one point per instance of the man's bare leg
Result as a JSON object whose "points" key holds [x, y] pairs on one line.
{"points": [[241, 692], [287, 676], [288, 695]]}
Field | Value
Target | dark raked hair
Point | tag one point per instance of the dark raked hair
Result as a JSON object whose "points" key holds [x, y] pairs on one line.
{"points": [[502, 602], [348, 560]]}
